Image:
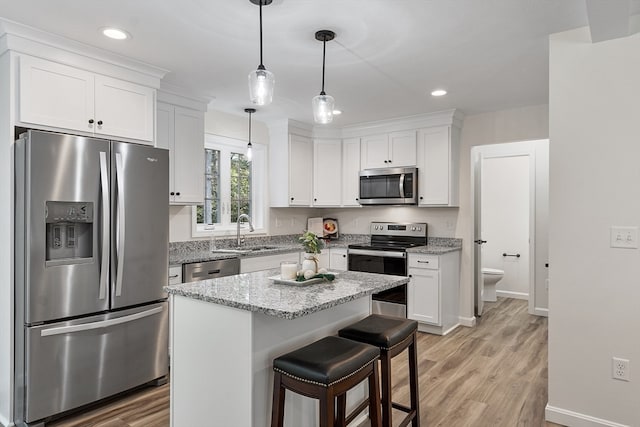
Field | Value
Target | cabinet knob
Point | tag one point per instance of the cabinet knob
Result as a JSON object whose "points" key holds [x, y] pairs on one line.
{"points": [[386, 161], [90, 121], [421, 197], [344, 256], [410, 276], [357, 199], [389, 161], [292, 199], [99, 122], [315, 200], [178, 193], [172, 193]]}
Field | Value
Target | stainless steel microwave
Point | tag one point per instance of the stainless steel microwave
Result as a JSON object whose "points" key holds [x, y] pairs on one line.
{"points": [[389, 186]]}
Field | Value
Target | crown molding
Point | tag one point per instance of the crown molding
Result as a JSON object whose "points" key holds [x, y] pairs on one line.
{"points": [[439, 118], [177, 95], [32, 41]]}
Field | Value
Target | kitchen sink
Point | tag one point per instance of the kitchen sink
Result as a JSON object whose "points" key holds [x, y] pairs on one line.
{"points": [[245, 250]]}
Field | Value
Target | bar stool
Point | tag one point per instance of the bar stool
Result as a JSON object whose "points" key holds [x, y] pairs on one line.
{"points": [[324, 370], [392, 335]]}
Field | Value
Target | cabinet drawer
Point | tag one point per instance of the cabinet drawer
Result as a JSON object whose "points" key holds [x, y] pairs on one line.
{"points": [[424, 261], [175, 275]]}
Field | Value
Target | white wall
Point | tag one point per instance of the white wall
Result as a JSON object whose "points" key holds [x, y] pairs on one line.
{"points": [[519, 124], [505, 221], [594, 180]]}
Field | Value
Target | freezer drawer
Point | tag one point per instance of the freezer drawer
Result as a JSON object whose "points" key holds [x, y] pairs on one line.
{"points": [[70, 364]]}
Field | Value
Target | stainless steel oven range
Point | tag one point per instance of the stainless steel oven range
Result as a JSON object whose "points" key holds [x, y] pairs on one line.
{"points": [[387, 254]]}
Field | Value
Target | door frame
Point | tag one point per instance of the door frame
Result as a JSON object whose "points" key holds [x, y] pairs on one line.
{"points": [[510, 149]]}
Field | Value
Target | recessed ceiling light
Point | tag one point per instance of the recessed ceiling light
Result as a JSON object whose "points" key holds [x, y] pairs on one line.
{"points": [[115, 33], [439, 92], [337, 112]]}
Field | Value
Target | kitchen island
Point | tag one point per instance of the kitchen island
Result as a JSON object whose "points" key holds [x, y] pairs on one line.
{"points": [[226, 332]]}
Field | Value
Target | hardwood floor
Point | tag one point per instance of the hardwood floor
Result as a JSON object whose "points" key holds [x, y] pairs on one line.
{"points": [[492, 375]]}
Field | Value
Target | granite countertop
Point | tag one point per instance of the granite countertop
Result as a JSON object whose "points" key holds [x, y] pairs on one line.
{"points": [[199, 255], [433, 249], [256, 292]]}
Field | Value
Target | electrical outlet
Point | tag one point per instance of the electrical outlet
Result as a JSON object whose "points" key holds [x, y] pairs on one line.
{"points": [[624, 237], [620, 369]]}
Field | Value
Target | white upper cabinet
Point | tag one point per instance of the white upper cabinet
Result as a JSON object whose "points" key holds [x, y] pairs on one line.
{"points": [[59, 96], [181, 131], [123, 109], [395, 149], [300, 170], [350, 171], [402, 148], [374, 151], [327, 179], [438, 149]]}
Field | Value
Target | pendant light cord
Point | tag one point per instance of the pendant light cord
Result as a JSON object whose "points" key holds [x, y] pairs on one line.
{"points": [[261, 66], [324, 54], [250, 128]]}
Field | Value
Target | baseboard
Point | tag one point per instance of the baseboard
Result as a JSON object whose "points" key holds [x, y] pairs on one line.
{"points": [[469, 322], [511, 294], [541, 312], [575, 419]]}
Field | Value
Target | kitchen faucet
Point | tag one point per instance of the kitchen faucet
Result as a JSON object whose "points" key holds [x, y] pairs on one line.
{"points": [[240, 218]]}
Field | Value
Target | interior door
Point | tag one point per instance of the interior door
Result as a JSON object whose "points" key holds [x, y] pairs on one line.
{"points": [[140, 231], [477, 231]]}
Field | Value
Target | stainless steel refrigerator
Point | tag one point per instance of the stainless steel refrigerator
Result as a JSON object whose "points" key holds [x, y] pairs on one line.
{"points": [[92, 238]]}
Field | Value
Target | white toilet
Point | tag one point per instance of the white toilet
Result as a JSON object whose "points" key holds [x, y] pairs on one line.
{"points": [[491, 276]]}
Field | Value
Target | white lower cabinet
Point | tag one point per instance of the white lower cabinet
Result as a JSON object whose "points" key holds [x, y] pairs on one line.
{"points": [[433, 291], [251, 264], [175, 274], [338, 259]]}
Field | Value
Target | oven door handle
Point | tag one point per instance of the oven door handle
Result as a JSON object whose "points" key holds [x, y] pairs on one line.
{"points": [[378, 254]]}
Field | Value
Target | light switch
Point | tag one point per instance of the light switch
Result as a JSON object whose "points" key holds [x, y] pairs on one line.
{"points": [[624, 237]]}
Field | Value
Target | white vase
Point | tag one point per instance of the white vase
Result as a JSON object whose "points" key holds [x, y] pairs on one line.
{"points": [[310, 263]]}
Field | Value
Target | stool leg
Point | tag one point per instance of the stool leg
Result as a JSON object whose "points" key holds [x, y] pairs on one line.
{"points": [[341, 416], [374, 397], [413, 380], [327, 408], [277, 408], [385, 373]]}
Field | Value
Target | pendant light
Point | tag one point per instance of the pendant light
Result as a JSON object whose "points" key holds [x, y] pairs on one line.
{"points": [[323, 104], [249, 146], [261, 81]]}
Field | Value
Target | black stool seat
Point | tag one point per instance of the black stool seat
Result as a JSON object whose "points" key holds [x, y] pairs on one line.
{"points": [[382, 331], [326, 361], [392, 335]]}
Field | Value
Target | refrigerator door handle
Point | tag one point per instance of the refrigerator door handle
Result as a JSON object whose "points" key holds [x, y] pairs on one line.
{"points": [[99, 325], [121, 216], [104, 265]]}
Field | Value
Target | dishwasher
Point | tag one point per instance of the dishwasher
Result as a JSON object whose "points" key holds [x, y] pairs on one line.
{"points": [[196, 271]]}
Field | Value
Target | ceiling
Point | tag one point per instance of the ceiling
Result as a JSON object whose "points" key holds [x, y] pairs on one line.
{"points": [[386, 59]]}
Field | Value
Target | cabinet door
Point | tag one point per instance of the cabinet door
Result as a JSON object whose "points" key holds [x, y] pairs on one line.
{"points": [[124, 109], [375, 152], [350, 172], [327, 156], [53, 94], [402, 148], [433, 166], [188, 157], [423, 295], [164, 138], [300, 170], [338, 260]]}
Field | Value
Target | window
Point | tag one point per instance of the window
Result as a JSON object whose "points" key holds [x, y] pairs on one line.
{"points": [[233, 186]]}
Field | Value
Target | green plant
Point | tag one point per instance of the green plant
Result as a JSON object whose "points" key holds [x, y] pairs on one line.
{"points": [[311, 243]]}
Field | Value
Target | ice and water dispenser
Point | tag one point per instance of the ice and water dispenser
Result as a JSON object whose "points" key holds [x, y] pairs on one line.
{"points": [[69, 232]]}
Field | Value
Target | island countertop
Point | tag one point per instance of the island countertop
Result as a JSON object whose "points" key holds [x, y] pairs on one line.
{"points": [[256, 292]]}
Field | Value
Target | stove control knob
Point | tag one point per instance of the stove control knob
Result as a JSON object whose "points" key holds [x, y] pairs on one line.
{"points": [[413, 229], [419, 228]]}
